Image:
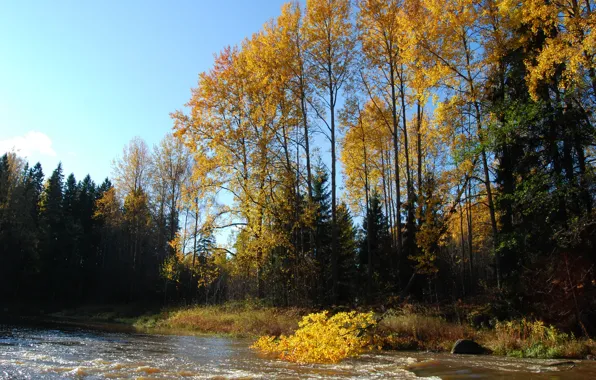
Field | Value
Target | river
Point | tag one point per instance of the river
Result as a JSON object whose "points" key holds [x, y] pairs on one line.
{"points": [[79, 353]]}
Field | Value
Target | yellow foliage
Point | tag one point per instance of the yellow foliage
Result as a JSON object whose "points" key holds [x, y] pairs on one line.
{"points": [[322, 339], [170, 268], [108, 208], [363, 146], [206, 270], [570, 45]]}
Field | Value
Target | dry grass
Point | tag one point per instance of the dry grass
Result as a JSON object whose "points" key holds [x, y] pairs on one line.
{"points": [[408, 328], [534, 339], [226, 319], [405, 331]]}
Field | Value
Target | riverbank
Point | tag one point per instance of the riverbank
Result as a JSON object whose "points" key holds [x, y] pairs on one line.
{"points": [[241, 320], [406, 329], [518, 338], [56, 352]]}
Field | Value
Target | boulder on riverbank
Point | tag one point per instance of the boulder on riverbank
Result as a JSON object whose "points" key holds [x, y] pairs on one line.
{"points": [[467, 347]]}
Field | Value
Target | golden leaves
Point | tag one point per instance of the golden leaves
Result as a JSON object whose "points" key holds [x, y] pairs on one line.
{"points": [[569, 47], [365, 141], [322, 339]]}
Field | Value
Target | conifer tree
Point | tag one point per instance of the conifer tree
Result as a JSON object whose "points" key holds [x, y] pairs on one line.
{"points": [[52, 254]]}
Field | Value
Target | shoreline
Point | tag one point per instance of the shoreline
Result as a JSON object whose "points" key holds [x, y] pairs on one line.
{"points": [[396, 333], [81, 322]]}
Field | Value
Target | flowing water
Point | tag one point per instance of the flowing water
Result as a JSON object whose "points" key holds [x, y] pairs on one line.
{"points": [[68, 352]]}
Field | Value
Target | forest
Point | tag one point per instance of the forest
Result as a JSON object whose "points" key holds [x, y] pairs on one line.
{"points": [[348, 153]]}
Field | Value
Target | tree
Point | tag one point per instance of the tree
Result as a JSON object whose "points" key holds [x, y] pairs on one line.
{"points": [[109, 220], [293, 42], [323, 223], [375, 251], [131, 175], [567, 54], [379, 34], [71, 234], [456, 30], [18, 225], [53, 259], [131, 171], [348, 258], [171, 165], [89, 237], [330, 38], [231, 131]]}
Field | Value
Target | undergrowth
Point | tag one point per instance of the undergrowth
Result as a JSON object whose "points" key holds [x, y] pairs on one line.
{"points": [[329, 337], [406, 331], [232, 319], [533, 339]]}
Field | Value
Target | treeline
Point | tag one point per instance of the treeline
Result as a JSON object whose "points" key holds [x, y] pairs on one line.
{"points": [[49, 246], [67, 242], [465, 133]]}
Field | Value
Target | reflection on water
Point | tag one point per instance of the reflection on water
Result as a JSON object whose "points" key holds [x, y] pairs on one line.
{"points": [[41, 353]]}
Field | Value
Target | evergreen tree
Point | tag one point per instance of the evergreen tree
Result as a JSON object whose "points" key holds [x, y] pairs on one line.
{"points": [[35, 182], [322, 227], [17, 226], [88, 240], [374, 228], [348, 253], [52, 254], [72, 235]]}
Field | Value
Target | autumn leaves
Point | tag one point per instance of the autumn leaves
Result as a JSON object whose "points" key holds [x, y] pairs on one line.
{"points": [[396, 90]]}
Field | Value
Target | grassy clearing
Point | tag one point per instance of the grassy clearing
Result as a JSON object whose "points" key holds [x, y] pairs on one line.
{"points": [[236, 320], [533, 339], [399, 331], [519, 338]]}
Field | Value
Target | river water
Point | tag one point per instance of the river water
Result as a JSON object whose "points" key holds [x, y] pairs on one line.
{"points": [[69, 352]]}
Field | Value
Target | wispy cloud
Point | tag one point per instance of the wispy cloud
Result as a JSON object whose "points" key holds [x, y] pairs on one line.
{"points": [[32, 142]]}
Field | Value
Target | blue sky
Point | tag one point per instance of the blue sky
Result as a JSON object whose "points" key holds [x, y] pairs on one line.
{"points": [[79, 79]]}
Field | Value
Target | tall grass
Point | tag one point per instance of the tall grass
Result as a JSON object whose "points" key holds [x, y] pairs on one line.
{"points": [[226, 319], [405, 331], [408, 328], [534, 339]]}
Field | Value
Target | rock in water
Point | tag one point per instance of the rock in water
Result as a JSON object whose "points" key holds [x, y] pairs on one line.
{"points": [[467, 347]]}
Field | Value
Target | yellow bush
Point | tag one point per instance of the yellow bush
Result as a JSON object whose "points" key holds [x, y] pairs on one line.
{"points": [[322, 339]]}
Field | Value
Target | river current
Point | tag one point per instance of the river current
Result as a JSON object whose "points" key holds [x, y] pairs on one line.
{"points": [[79, 353]]}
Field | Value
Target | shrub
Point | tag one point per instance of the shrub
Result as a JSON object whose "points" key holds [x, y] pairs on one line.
{"points": [[322, 339]]}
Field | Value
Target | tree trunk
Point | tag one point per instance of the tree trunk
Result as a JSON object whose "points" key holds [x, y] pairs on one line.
{"points": [[396, 163]]}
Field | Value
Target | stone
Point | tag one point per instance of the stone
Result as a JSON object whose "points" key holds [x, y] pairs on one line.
{"points": [[467, 347]]}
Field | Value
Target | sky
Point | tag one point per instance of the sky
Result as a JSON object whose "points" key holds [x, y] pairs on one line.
{"points": [[79, 79]]}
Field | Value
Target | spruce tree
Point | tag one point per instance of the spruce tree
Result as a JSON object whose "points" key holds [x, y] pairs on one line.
{"points": [[347, 285], [52, 253], [375, 229], [323, 225]]}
